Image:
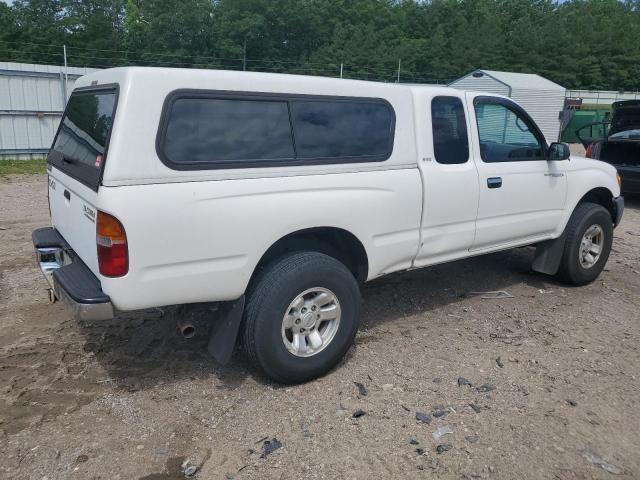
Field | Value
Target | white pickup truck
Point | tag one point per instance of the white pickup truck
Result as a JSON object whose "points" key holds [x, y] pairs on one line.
{"points": [[275, 196]]}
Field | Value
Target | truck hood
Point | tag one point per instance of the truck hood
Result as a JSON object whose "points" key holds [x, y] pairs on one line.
{"points": [[577, 162], [625, 118]]}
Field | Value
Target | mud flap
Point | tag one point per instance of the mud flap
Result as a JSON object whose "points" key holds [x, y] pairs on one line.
{"points": [[548, 256], [225, 331]]}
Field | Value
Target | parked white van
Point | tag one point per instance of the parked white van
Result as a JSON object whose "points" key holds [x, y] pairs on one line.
{"points": [[275, 196]]}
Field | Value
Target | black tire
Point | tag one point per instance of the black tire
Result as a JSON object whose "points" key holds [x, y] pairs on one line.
{"points": [[584, 216], [269, 297]]}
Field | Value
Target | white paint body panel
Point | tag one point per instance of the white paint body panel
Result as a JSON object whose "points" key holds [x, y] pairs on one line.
{"points": [[527, 207], [197, 236], [72, 217]]}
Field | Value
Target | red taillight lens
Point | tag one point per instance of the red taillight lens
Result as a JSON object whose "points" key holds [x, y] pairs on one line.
{"points": [[113, 252], [589, 152]]}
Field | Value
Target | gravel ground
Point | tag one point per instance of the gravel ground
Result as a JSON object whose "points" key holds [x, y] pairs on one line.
{"points": [[129, 399]]}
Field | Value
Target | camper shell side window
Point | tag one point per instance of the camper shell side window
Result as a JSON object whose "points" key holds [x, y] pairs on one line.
{"points": [[202, 130]]}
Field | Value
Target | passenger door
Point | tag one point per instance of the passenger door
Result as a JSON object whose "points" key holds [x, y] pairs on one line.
{"points": [[450, 180], [522, 194]]}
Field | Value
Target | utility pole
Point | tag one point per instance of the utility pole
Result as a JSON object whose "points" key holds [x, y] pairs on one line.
{"points": [[399, 63], [64, 51], [244, 55], [341, 70]]}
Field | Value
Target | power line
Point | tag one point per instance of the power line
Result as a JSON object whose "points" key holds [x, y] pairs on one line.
{"points": [[194, 61]]}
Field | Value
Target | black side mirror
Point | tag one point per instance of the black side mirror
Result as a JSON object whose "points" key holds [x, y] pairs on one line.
{"points": [[559, 151]]}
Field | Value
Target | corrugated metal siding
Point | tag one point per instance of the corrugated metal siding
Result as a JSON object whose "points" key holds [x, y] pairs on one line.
{"points": [[481, 84], [32, 99], [542, 99], [544, 106]]}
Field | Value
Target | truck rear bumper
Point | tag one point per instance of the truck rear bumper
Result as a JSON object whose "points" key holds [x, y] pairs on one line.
{"points": [[70, 280]]}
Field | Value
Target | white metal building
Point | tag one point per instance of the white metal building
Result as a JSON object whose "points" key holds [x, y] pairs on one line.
{"points": [[541, 98], [602, 97], [32, 100]]}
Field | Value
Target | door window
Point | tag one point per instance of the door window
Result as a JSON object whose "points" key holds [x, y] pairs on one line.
{"points": [[450, 140], [506, 135]]}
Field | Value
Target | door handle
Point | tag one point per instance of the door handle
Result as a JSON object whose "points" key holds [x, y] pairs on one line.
{"points": [[494, 182], [67, 195]]}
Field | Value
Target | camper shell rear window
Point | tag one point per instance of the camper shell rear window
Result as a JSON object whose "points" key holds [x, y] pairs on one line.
{"points": [[80, 146], [202, 130]]}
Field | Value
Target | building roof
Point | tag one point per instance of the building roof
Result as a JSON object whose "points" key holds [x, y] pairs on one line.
{"points": [[30, 68], [529, 81]]}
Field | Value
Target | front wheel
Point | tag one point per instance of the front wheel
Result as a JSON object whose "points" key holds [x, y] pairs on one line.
{"points": [[588, 239], [301, 316]]}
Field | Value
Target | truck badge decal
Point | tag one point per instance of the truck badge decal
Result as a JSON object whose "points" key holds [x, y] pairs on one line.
{"points": [[89, 213]]}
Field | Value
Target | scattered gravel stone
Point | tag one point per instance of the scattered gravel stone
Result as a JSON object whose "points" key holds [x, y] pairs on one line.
{"points": [[387, 386], [420, 451], [475, 406], [439, 411], [423, 417], [437, 380], [359, 413], [487, 387], [573, 403], [499, 362], [463, 381], [441, 432], [190, 471], [598, 461], [362, 390], [471, 438], [443, 447], [413, 441], [82, 458], [270, 446]]}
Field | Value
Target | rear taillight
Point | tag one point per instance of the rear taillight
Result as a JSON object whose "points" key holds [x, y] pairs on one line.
{"points": [[589, 152], [113, 252]]}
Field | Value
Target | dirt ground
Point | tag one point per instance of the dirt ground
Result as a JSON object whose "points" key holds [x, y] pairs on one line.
{"points": [[130, 399]]}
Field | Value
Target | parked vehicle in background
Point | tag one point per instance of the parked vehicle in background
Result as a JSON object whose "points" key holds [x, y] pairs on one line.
{"points": [[619, 142], [275, 196]]}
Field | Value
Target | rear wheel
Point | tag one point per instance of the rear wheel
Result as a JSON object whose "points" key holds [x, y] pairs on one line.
{"points": [[301, 316], [588, 239]]}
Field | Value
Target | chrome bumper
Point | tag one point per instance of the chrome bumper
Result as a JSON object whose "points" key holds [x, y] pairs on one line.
{"points": [[69, 279]]}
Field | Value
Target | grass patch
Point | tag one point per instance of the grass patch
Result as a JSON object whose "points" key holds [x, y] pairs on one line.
{"points": [[28, 167]]}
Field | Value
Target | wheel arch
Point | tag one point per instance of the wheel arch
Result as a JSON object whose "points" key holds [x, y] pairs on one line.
{"points": [[601, 196], [336, 242], [549, 253]]}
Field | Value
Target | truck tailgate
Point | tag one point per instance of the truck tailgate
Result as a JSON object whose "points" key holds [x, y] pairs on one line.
{"points": [[73, 215]]}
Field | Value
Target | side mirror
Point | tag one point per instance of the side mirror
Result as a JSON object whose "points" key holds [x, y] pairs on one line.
{"points": [[559, 151]]}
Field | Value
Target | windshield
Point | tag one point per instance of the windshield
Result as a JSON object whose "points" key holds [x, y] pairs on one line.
{"points": [[80, 145], [626, 135]]}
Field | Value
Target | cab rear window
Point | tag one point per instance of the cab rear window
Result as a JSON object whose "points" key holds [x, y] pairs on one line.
{"points": [[80, 146]]}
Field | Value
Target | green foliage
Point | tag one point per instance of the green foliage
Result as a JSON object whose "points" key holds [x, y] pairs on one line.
{"points": [[577, 43]]}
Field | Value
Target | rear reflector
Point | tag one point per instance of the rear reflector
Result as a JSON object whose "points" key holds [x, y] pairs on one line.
{"points": [[113, 252], [589, 152]]}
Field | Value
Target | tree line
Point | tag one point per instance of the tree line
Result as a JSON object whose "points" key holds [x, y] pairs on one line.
{"points": [[591, 44]]}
